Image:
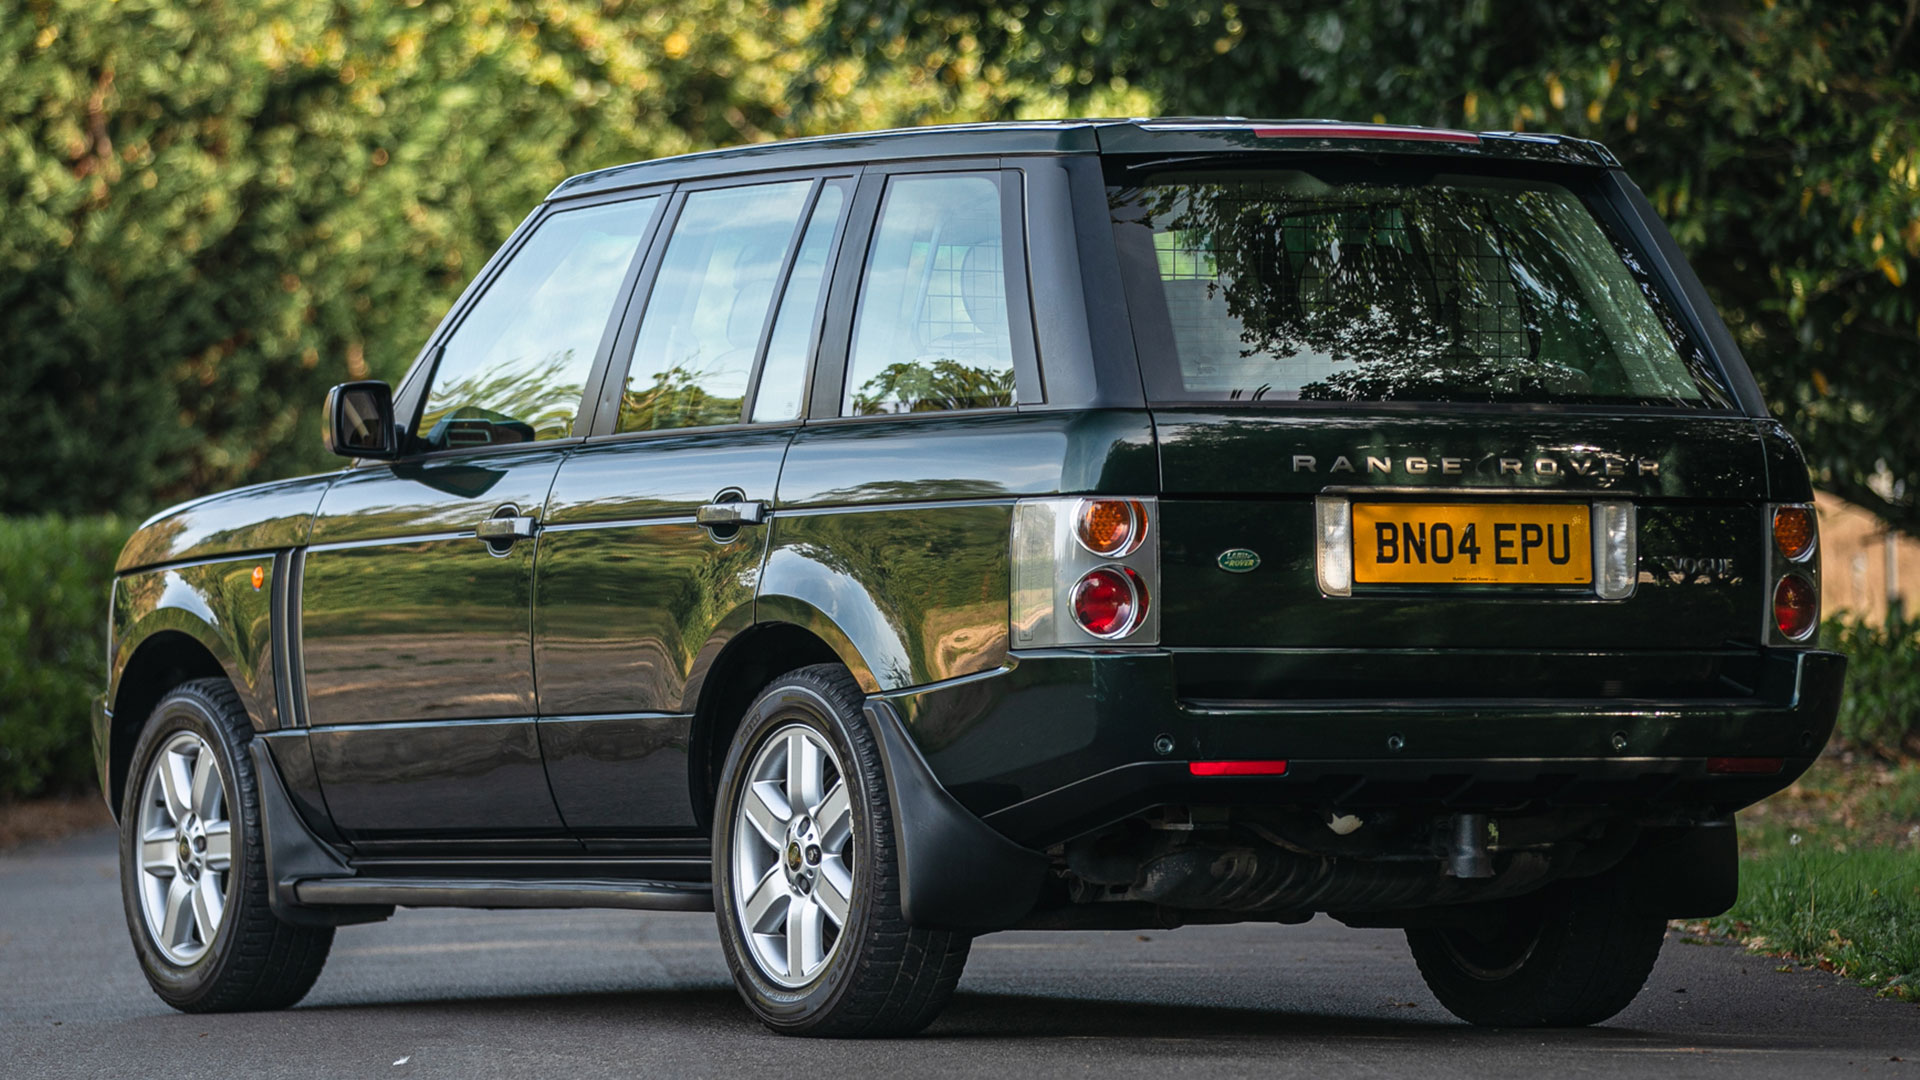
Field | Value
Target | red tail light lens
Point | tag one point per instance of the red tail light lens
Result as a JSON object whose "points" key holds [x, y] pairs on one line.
{"points": [[1109, 601], [1794, 531], [1110, 527], [1796, 607]]}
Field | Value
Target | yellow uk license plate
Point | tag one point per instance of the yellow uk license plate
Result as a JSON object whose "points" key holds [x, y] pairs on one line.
{"points": [[1472, 544]]}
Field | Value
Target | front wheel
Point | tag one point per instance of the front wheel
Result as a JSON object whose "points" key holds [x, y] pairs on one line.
{"points": [[193, 864], [1569, 956], [807, 889]]}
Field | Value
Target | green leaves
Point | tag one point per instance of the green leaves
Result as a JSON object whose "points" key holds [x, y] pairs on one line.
{"points": [[1781, 141], [211, 212]]}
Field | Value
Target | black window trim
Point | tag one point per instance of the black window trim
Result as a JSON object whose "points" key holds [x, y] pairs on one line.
{"points": [[834, 355], [632, 307]]}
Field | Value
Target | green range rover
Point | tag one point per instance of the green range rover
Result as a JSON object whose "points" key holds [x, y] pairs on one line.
{"points": [[888, 539]]}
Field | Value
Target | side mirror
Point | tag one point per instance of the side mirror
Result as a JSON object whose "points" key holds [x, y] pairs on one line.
{"points": [[360, 421]]}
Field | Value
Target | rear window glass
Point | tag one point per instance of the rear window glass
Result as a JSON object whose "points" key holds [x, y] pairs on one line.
{"points": [[1285, 285]]}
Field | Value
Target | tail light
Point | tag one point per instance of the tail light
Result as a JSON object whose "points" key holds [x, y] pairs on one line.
{"points": [[1108, 602], [1794, 531], [1793, 572], [1796, 607], [1084, 572]]}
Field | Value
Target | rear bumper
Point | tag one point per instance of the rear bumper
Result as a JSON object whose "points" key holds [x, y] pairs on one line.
{"points": [[1059, 743]]}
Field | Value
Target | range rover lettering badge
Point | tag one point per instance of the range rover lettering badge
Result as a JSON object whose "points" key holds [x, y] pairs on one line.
{"points": [[1559, 466], [1239, 560]]}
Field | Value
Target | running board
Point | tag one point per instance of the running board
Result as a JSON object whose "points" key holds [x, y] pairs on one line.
{"points": [[428, 892]]}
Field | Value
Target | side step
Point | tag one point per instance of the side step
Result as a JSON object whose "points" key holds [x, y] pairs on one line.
{"points": [[428, 892]]}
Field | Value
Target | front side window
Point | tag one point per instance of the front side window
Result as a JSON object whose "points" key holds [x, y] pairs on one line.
{"points": [[1287, 285], [931, 331], [516, 367], [695, 352]]}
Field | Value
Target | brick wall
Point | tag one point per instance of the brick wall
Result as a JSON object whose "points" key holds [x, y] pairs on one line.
{"points": [[1856, 552]]}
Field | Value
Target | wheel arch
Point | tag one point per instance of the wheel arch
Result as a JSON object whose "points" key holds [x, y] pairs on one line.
{"points": [[163, 659], [743, 666]]}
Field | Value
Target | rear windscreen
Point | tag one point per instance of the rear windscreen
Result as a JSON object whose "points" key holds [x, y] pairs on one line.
{"points": [[1284, 285]]}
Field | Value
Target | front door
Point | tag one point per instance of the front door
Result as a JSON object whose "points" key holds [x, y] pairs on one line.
{"points": [[656, 526], [417, 585]]}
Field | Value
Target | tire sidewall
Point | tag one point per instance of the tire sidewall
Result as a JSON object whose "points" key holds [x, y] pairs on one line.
{"points": [[797, 700], [185, 710]]}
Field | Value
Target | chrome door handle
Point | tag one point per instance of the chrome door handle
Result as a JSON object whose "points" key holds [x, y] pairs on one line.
{"points": [[508, 529], [722, 515]]}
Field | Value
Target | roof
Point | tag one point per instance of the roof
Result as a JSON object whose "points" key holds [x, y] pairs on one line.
{"points": [[1163, 135]]}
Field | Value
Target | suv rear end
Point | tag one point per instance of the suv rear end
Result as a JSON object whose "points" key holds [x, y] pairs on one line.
{"points": [[1477, 584]]}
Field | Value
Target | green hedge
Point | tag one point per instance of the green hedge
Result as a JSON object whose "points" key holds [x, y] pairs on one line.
{"points": [[1881, 709], [55, 576]]}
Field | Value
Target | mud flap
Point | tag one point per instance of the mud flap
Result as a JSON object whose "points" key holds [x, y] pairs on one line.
{"points": [[294, 854], [956, 871], [1688, 872]]}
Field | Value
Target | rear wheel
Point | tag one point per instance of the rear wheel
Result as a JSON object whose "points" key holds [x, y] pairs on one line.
{"points": [[193, 868], [1570, 956], [807, 891]]}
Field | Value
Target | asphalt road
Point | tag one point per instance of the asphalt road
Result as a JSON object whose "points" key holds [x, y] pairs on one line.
{"points": [[589, 994]]}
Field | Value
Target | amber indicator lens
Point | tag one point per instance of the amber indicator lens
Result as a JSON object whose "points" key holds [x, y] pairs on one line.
{"points": [[1110, 527], [1109, 601], [1793, 531], [259, 576], [1795, 606]]}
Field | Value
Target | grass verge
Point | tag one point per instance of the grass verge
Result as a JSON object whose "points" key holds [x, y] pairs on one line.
{"points": [[1830, 874]]}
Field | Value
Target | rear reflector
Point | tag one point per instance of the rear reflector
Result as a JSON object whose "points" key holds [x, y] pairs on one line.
{"points": [[1745, 766], [1364, 131], [1237, 768]]}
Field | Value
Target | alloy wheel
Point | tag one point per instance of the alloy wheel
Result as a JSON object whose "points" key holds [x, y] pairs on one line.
{"points": [[793, 855], [186, 848]]}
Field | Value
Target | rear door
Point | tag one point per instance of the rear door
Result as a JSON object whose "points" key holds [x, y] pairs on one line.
{"points": [[1398, 405], [657, 526], [415, 627]]}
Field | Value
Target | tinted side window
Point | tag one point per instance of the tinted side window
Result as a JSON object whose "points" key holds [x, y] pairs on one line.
{"points": [[931, 329], [783, 375], [515, 368], [697, 341]]}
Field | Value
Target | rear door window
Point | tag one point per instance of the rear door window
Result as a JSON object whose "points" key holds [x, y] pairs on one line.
{"points": [[1289, 285], [704, 319], [931, 331], [515, 368]]}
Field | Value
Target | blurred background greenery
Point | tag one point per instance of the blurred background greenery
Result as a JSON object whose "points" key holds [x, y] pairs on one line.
{"points": [[213, 210]]}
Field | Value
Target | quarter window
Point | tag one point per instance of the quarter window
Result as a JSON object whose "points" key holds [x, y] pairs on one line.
{"points": [[783, 375], [697, 342], [932, 329], [515, 368]]}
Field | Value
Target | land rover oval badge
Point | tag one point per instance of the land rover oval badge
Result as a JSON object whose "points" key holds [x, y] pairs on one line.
{"points": [[1239, 560]]}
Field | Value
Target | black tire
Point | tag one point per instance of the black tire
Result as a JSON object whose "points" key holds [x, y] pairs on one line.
{"points": [[253, 960], [882, 976], [1569, 956]]}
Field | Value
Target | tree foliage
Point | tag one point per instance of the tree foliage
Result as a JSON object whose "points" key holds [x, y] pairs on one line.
{"points": [[1780, 139], [212, 211]]}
